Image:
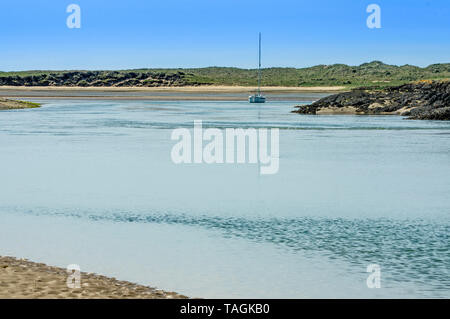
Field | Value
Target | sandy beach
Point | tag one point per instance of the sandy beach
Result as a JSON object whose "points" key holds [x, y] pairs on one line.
{"points": [[23, 279], [210, 93], [187, 89]]}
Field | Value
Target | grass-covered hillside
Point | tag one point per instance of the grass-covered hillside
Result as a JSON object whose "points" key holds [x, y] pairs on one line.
{"points": [[368, 74]]}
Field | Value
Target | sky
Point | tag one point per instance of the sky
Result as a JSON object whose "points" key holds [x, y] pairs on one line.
{"points": [[200, 33]]}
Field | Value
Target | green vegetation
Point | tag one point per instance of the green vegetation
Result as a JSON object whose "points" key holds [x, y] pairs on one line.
{"points": [[7, 104], [373, 74], [31, 105]]}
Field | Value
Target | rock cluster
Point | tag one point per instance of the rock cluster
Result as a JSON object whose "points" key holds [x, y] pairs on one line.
{"points": [[423, 100]]}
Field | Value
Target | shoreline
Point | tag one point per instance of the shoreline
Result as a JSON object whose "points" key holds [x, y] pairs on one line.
{"points": [[147, 98], [24, 279], [191, 93], [180, 89]]}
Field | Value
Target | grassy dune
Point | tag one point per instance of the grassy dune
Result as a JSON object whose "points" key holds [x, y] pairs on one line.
{"points": [[373, 74]]}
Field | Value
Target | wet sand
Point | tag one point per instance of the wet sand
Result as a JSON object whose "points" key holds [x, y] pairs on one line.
{"points": [[23, 279]]}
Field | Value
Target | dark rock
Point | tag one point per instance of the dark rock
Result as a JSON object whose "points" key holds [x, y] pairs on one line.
{"points": [[427, 100]]}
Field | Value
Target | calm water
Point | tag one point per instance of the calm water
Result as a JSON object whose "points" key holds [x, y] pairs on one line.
{"points": [[92, 183]]}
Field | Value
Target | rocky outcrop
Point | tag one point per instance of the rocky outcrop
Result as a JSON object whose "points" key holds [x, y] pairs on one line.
{"points": [[6, 104], [101, 79], [423, 100]]}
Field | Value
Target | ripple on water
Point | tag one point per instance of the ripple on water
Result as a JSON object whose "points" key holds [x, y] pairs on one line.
{"points": [[407, 250]]}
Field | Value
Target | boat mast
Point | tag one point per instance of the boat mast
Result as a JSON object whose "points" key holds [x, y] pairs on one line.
{"points": [[259, 66]]}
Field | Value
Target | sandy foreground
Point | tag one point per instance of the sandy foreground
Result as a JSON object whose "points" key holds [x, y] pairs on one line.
{"points": [[23, 279]]}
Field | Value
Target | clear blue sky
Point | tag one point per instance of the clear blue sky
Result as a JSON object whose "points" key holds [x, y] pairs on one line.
{"points": [[199, 33]]}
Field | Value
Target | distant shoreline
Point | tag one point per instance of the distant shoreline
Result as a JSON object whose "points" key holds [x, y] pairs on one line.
{"points": [[187, 89], [188, 93]]}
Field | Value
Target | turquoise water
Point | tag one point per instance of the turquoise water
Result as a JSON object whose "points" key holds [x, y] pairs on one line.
{"points": [[92, 183]]}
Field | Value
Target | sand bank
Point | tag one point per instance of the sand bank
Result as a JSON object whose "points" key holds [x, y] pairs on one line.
{"points": [[20, 278], [6, 104], [207, 93], [181, 89]]}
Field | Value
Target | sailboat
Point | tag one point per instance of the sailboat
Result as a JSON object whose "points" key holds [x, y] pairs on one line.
{"points": [[258, 97]]}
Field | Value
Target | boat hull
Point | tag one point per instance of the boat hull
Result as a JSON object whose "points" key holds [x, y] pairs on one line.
{"points": [[257, 99]]}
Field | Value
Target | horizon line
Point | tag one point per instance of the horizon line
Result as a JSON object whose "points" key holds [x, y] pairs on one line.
{"points": [[227, 67]]}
